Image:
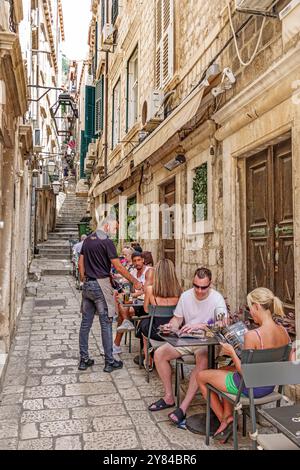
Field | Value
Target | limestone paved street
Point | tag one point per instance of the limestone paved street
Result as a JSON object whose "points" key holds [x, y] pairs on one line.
{"points": [[47, 403]]}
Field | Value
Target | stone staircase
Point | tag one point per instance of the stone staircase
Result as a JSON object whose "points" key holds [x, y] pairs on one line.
{"points": [[57, 247]]}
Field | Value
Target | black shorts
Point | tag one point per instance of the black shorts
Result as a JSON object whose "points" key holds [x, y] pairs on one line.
{"points": [[144, 327]]}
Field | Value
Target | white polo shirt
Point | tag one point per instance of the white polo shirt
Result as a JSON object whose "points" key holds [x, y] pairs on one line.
{"points": [[195, 311]]}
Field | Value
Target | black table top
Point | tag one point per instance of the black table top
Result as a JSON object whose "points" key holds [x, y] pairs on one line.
{"points": [[181, 342], [286, 419], [135, 304]]}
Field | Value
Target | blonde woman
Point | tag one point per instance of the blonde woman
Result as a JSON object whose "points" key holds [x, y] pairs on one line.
{"points": [[264, 308], [165, 291]]}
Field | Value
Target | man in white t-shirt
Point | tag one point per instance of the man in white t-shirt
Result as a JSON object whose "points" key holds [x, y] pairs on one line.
{"points": [[194, 310]]}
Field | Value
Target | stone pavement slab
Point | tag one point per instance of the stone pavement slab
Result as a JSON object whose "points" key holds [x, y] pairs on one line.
{"points": [[47, 403]]}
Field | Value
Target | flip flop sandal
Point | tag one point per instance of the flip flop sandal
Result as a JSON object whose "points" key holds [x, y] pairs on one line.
{"points": [[179, 415], [224, 435], [160, 405]]}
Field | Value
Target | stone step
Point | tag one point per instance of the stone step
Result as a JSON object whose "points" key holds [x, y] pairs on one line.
{"points": [[54, 249], [58, 237], [68, 228], [71, 228], [55, 256]]}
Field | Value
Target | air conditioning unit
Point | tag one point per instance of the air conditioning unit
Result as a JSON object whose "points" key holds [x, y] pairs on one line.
{"points": [[256, 5], [108, 34], [152, 110], [37, 137]]}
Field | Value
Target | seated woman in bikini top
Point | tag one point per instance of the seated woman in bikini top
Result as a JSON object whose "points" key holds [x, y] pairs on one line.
{"points": [[263, 305]]}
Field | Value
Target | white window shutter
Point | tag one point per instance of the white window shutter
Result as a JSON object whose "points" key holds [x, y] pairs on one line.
{"points": [[116, 112], [159, 36], [164, 42]]}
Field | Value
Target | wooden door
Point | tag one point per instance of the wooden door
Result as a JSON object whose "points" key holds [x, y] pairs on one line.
{"points": [[270, 240], [167, 221], [283, 221]]}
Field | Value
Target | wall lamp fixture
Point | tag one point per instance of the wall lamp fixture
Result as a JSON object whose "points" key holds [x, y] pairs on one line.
{"points": [[180, 159]]}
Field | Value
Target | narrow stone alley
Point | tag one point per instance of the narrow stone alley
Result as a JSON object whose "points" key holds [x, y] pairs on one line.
{"points": [[46, 403]]}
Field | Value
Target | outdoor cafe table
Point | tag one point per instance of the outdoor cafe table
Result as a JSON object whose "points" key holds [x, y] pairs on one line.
{"points": [[197, 423], [135, 304], [286, 419]]}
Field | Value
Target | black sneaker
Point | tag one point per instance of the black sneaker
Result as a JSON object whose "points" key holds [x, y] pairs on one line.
{"points": [[113, 366], [83, 365]]}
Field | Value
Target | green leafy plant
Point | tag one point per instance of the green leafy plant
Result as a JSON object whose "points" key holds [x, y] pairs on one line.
{"points": [[131, 219], [200, 194]]}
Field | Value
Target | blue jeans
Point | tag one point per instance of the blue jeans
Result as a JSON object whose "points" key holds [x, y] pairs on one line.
{"points": [[94, 301]]}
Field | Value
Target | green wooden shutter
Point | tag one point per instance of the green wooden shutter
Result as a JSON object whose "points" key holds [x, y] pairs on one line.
{"points": [[82, 154], [99, 97], [90, 112], [114, 11], [103, 19]]}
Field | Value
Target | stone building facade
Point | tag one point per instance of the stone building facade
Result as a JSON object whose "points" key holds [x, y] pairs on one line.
{"points": [[221, 122], [15, 181], [27, 207]]}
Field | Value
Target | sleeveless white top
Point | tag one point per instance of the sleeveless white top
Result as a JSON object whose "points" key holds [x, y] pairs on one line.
{"points": [[142, 278]]}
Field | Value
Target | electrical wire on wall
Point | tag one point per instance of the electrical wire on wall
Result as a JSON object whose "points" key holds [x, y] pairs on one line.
{"points": [[245, 64], [242, 62]]}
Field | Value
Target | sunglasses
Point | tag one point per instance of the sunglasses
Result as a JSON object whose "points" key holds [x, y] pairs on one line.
{"points": [[201, 287]]}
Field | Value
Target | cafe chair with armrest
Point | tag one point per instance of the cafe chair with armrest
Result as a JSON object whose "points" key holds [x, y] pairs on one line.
{"points": [[275, 373], [156, 311], [247, 405]]}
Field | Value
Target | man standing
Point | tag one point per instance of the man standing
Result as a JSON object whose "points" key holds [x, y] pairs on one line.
{"points": [[97, 255], [195, 309]]}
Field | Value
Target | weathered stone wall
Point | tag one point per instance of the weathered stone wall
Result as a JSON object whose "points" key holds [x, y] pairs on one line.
{"points": [[202, 30], [45, 214]]}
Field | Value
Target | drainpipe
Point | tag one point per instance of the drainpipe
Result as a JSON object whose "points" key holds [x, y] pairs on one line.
{"points": [[105, 124]]}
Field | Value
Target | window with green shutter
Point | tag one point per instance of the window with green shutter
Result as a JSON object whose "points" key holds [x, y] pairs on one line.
{"points": [[99, 106], [114, 11], [90, 111], [85, 141], [103, 17]]}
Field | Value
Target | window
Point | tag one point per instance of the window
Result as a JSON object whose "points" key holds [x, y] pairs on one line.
{"points": [[103, 17], [99, 94], [90, 111], [95, 58], [116, 117], [200, 207], [132, 90], [114, 10], [164, 67]]}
